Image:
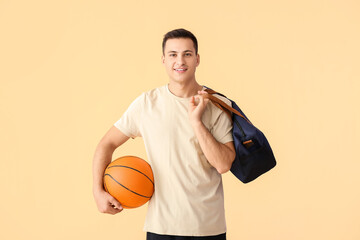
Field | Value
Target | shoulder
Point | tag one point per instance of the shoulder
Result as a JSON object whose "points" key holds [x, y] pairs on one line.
{"points": [[151, 97], [154, 93], [224, 99]]}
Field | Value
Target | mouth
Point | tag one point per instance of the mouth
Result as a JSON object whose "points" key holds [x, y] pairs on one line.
{"points": [[180, 70]]}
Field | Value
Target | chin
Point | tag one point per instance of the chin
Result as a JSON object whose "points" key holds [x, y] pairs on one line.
{"points": [[182, 81]]}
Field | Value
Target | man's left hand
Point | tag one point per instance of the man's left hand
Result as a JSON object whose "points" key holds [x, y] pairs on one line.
{"points": [[197, 107]]}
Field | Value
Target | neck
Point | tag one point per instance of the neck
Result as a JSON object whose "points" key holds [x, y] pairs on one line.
{"points": [[184, 90]]}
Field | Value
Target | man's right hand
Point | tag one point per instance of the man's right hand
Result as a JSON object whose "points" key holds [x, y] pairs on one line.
{"points": [[107, 203], [103, 153]]}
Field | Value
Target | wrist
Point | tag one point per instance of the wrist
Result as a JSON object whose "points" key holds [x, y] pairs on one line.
{"points": [[196, 124], [98, 189]]}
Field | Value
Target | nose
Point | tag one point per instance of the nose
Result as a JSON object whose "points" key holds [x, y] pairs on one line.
{"points": [[180, 60]]}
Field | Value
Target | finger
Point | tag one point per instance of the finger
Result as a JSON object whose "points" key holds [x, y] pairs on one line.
{"points": [[113, 211], [201, 99], [116, 205], [196, 100]]}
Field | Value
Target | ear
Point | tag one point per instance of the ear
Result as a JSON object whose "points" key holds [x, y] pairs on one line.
{"points": [[197, 59], [163, 59]]}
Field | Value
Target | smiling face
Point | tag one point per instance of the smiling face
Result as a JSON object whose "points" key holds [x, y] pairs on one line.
{"points": [[180, 60]]}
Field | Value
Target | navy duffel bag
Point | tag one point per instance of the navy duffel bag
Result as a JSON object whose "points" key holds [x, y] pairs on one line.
{"points": [[254, 155]]}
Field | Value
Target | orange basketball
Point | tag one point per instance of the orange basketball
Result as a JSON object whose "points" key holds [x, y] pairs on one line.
{"points": [[130, 180]]}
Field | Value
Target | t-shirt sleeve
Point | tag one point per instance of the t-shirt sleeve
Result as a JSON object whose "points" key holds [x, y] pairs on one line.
{"points": [[129, 123], [222, 129]]}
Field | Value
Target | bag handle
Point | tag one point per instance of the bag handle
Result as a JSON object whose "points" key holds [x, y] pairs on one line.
{"points": [[222, 104]]}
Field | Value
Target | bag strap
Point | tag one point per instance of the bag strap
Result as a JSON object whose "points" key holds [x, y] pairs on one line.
{"points": [[222, 104], [225, 110]]}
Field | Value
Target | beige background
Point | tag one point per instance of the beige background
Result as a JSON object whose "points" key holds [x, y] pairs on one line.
{"points": [[69, 69]]}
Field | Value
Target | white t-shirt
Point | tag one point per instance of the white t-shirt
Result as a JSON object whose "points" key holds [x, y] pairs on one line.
{"points": [[188, 199]]}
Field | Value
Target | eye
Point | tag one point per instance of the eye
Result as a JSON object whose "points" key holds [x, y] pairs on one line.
{"points": [[172, 55], [188, 54]]}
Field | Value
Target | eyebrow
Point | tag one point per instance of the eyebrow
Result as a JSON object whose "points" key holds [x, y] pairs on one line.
{"points": [[176, 51]]}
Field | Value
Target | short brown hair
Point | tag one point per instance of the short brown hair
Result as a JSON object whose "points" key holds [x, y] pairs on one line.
{"points": [[180, 33]]}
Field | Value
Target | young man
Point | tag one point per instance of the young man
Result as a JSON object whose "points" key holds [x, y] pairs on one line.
{"points": [[189, 145]]}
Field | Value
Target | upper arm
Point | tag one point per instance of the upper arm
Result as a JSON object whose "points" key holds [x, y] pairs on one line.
{"points": [[114, 137], [222, 128]]}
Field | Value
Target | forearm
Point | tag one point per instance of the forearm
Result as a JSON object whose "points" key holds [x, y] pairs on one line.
{"points": [[102, 158], [219, 155]]}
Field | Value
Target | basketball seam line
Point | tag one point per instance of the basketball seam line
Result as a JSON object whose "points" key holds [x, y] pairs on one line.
{"points": [[120, 203], [134, 170], [126, 187]]}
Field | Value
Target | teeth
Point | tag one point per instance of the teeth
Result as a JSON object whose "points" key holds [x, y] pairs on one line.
{"points": [[180, 69]]}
